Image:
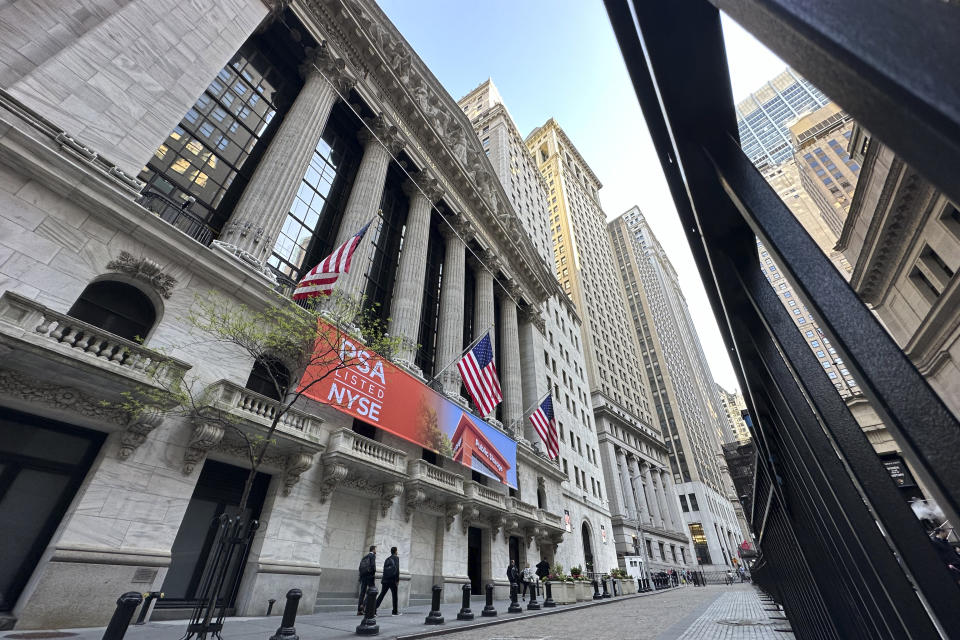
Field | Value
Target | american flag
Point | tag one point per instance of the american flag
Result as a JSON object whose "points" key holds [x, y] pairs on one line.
{"points": [[480, 376], [320, 280], [546, 425]]}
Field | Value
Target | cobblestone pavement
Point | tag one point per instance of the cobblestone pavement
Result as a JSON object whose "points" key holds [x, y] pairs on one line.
{"points": [[708, 613]]}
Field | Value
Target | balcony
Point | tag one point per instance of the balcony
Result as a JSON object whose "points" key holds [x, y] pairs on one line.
{"points": [[523, 511], [355, 462], [484, 496], [53, 346], [552, 521], [431, 489]]}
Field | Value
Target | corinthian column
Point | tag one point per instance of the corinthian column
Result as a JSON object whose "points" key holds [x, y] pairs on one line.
{"points": [[483, 306], [509, 366], [380, 140], [642, 514], [450, 331], [656, 518], [408, 288], [671, 493], [262, 209], [664, 512], [624, 473]]}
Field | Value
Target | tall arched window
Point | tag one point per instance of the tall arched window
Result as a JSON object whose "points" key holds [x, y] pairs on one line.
{"points": [[117, 307], [269, 377]]}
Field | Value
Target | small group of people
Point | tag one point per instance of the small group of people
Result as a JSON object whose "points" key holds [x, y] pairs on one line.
{"points": [[526, 579], [949, 552], [733, 575], [388, 582]]}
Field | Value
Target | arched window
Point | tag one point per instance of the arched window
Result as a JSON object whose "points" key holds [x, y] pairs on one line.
{"points": [[117, 307], [269, 377], [541, 495]]}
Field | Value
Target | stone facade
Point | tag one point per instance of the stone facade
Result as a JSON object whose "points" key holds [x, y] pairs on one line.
{"points": [[86, 107]]}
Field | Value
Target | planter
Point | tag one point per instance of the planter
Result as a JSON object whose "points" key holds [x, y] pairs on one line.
{"points": [[629, 586], [584, 590], [563, 592]]}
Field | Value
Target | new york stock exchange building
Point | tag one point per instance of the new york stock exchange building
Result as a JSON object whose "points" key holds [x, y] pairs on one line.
{"points": [[153, 151]]}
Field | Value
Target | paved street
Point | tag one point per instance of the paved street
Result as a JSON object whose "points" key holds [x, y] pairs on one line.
{"points": [[709, 613]]}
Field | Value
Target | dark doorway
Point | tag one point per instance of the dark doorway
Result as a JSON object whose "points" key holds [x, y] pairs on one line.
{"points": [[587, 549], [474, 559], [117, 307], [218, 491], [42, 464], [514, 550]]}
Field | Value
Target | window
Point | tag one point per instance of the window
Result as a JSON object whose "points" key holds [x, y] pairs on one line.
{"points": [[683, 503], [117, 307], [269, 377]]}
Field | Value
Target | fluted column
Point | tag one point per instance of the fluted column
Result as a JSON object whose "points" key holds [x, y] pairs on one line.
{"points": [[624, 473], [263, 207], [531, 350], [658, 486], [614, 488], [450, 331], [671, 493], [408, 286], [656, 518], [509, 365], [643, 513], [380, 140], [483, 306]]}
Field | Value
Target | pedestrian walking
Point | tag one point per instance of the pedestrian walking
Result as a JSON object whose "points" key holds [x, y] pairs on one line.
{"points": [[367, 571], [527, 577], [513, 574], [743, 573], [729, 578], [946, 552], [390, 579]]}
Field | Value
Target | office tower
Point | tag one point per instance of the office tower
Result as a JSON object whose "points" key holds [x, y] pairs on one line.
{"points": [[693, 422], [639, 488], [732, 402]]}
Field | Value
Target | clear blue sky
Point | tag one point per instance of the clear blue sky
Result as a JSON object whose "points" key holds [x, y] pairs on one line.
{"points": [[559, 58]]}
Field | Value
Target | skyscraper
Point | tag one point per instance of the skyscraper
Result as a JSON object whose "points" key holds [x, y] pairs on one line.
{"points": [[733, 404], [639, 487], [684, 393]]}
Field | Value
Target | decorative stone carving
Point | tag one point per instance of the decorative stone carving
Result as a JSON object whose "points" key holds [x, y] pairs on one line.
{"points": [[24, 387], [206, 436], [334, 69], [333, 474], [380, 129], [500, 524], [137, 431], [296, 464], [145, 270], [452, 511], [412, 501], [389, 491], [469, 514], [424, 183]]}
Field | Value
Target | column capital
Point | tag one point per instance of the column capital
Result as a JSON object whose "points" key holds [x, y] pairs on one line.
{"points": [[422, 182], [509, 291], [380, 131], [320, 60], [456, 225], [484, 259], [533, 315]]}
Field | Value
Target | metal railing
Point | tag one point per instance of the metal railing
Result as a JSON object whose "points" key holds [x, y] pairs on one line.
{"points": [[840, 549], [179, 215]]}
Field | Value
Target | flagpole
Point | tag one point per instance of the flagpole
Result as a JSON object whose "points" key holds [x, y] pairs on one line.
{"points": [[469, 346]]}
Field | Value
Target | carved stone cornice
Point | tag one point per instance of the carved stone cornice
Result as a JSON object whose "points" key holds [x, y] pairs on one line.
{"points": [[388, 492], [333, 475], [379, 130], [296, 465], [423, 183], [323, 61], [469, 515], [145, 270], [412, 501], [137, 431], [21, 386], [205, 436], [452, 511]]}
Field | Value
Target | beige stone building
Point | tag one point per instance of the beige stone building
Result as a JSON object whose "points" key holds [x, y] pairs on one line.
{"points": [[732, 402], [143, 164], [683, 391]]}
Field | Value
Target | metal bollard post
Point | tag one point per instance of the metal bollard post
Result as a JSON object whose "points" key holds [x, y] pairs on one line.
{"points": [[465, 613], [435, 617], [596, 590], [150, 599], [613, 581], [287, 630], [548, 602], [489, 611], [514, 605], [270, 603], [126, 605], [368, 626], [533, 605], [606, 593]]}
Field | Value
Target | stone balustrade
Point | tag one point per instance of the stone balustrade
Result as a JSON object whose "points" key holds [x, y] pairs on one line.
{"points": [[484, 495], [353, 447], [523, 509], [259, 409], [551, 519], [433, 475], [31, 321]]}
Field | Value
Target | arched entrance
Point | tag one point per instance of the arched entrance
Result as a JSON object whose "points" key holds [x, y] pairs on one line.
{"points": [[587, 548]]}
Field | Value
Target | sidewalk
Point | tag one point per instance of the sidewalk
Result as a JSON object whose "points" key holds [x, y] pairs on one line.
{"points": [[332, 625], [737, 614]]}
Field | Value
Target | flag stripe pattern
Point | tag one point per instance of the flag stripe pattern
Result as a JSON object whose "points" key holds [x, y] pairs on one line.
{"points": [[321, 279], [480, 376], [546, 425]]}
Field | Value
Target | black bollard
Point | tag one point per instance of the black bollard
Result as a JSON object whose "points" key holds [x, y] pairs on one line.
{"points": [[368, 626], [465, 613], [435, 617], [548, 602], [613, 581], [126, 605], [489, 611], [606, 593], [286, 630], [533, 605], [147, 603], [270, 603], [596, 590], [514, 605]]}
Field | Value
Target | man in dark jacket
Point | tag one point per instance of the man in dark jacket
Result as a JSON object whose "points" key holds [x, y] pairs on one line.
{"points": [[390, 579], [367, 571], [543, 569], [513, 574]]}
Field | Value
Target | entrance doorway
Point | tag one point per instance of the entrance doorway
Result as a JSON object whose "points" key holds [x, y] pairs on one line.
{"points": [[587, 549], [514, 550], [42, 464], [475, 559], [218, 491]]}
